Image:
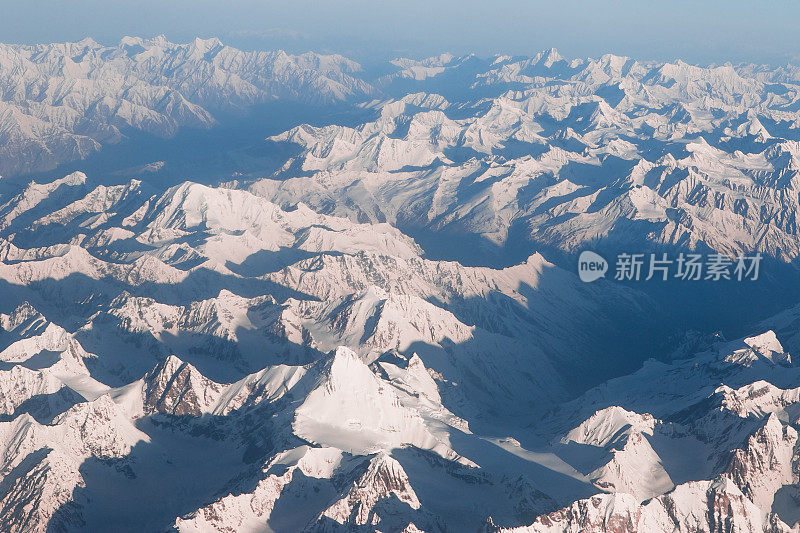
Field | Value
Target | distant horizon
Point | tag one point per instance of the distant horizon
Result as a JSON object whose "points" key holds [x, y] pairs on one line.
{"points": [[712, 32], [372, 59]]}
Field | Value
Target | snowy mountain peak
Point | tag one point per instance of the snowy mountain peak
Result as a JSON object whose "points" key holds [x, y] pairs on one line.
{"points": [[177, 388], [383, 482]]}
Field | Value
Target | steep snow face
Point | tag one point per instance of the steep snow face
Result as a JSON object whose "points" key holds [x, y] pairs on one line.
{"points": [[759, 399], [608, 425], [630, 464], [351, 409], [61, 102]]}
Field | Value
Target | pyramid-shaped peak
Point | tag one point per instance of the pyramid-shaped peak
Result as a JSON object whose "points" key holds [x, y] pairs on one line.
{"points": [[386, 476], [23, 313], [345, 355], [176, 387], [548, 57], [171, 365]]}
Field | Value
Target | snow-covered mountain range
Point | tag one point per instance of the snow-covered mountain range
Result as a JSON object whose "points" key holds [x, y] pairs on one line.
{"points": [[382, 333], [570, 152], [61, 102]]}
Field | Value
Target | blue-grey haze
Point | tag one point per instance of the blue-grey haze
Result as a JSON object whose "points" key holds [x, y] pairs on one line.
{"points": [[699, 32]]}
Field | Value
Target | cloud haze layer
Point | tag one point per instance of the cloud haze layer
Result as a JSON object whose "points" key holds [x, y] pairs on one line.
{"points": [[713, 31]]}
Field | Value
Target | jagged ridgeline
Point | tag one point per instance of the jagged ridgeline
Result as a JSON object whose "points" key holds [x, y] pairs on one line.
{"points": [[255, 291]]}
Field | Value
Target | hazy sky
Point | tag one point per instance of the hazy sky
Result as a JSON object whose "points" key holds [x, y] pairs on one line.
{"points": [[697, 31]]}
